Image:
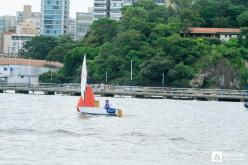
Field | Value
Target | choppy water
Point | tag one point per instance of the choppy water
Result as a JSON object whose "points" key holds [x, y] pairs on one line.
{"points": [[37, 129]]}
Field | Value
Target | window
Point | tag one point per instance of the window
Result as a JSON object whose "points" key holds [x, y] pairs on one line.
{"points": [[22, 76], [48, 22], [11, 69], [55, 7], [5, 68], [57, 22], [48, 12], [48, 7], [48, 17]]}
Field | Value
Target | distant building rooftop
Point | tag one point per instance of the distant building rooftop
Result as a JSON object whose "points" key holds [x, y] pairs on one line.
{"points": [[8, 33], [37, 63], [198, 30]]}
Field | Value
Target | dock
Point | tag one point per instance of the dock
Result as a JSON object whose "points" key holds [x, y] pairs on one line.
{"points": [[131, 91]]}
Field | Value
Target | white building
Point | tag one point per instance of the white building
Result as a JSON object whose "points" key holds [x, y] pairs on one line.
{"points": [[16, 70], [108, 8], [100, 9], [72, 28], [12, 43], [115, 9], [83, 23]]}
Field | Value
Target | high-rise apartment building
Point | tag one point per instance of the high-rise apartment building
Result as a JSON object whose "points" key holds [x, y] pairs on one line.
{"points": [[115, 9], [2, 25], [6, 23], [27, 13], [159, 2], [28, 21], [100, 9], [108, 8], [83, 22], [112, 8], [72, 28], [54, 17]]}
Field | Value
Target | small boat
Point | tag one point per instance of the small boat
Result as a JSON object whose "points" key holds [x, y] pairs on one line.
{"points": [[246, 104], [87, 103]]}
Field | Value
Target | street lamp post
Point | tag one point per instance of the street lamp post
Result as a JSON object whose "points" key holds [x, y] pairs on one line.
{"points": [[8, 51], [18, 44], [106, 77], [29, 72], [131, 74], [51, 77], [131, 77], [163, 80]]}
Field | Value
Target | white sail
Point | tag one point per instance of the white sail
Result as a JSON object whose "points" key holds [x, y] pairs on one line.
{"points": [[83, 77]]}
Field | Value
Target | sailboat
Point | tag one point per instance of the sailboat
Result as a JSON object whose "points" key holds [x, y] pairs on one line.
{"points": [[87, 103]]}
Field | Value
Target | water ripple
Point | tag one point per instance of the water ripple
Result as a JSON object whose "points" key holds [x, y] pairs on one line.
{"points": [[37, 129]]}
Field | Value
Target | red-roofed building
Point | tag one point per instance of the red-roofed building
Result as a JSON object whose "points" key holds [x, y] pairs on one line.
{"points": [[223, 34]]}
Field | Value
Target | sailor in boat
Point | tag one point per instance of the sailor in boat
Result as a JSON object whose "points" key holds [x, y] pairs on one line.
{"points": [[108, 107]]}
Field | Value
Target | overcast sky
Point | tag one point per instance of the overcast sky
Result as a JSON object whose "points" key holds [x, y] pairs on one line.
{"points": [[9, 7]]}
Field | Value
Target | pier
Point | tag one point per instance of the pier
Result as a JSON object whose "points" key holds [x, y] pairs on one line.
{"points": [[130, 91]]}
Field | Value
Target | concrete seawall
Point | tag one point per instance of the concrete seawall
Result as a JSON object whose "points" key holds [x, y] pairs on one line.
{"points": [[133, 91]]}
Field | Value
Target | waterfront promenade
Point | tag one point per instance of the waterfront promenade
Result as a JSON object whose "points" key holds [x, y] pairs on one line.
{"points": [[133, 91]]}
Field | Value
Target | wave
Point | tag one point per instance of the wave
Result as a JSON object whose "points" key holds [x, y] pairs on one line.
{"points": [[35, 131], [139, 134], [17, 131], [177, 139], [65, 132]]}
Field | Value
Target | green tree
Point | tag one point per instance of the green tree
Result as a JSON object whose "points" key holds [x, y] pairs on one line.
{"points": [[242, 19], [52, 77], [243, 39], [103, 30], [180, 75], [73, 61], [59, 51], [38, 47], [150, 36]]}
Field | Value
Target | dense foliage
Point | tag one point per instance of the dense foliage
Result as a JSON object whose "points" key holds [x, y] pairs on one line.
{"points": [[153, 38], [48, 48]]}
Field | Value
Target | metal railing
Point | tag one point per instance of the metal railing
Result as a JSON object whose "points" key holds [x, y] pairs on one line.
{"points": [[137, 90]]}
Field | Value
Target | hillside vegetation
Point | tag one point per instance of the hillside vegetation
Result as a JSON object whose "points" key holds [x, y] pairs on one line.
{"points": [[152, 37]]}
